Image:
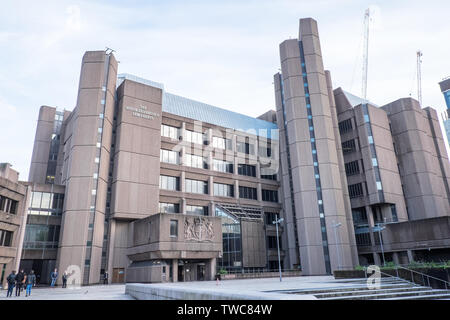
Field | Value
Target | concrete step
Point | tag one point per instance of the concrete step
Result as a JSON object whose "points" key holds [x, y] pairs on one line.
{"points": [[419, 294], [432, 296], [347, 289], [370, 292]]}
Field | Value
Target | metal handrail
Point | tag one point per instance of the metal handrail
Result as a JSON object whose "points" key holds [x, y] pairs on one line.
{"points": [[389, 275], [446, 283]]}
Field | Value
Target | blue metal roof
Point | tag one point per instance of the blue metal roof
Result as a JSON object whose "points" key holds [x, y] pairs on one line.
{"points": [[200, 111]]}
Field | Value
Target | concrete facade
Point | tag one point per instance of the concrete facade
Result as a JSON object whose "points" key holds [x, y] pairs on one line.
{"points": [[313, 188], [14, 197]]}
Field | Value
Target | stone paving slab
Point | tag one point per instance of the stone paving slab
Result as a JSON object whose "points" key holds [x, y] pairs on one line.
{"points": [[98, 292]]}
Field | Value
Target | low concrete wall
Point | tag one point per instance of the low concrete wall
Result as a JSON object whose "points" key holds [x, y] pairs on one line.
{"points": [[141, 291], [260, 275]]}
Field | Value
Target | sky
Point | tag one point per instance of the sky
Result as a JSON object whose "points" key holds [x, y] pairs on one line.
{"points": [[222, 53]]}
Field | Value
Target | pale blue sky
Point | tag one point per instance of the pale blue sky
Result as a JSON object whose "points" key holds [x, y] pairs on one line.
{"points": [[219, 52]]}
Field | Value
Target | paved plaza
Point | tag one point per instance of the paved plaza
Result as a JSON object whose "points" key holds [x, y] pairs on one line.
{"points": [[100, 292]]}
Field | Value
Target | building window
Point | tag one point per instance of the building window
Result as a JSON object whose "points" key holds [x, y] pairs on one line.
{"points": [[352, 168], [194, 137], [269, 176], [247, 193], [38, 236], [223, 190], [348, 146], [221, 143], [247, 170], [168, 156], [231, 241], [245, 147], [394, 213], [222, 166], [270, 195], [174, 228], [169, 183], [345, 126], [265, 150], [272, 242], [195, 161], [196, 186], [355, 190], [169, 132], [271, 217], [197, 210], [5, 238], [169, 207]]}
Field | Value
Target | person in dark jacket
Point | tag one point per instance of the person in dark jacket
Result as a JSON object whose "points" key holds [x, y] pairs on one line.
{"points": [[64, 279], [20, 278], [11, 282], [30, 282], [105, 277]]}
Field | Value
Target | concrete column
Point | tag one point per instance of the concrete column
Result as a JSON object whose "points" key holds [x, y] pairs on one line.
{"points": [[376, 259], [182, 182], [371, 224], [410, 255], [235, 166], [182, 154], [183, 205], [395, 257], [212, 209], [236, 189], [175, 270], [211, 185], [258, 169], [210, 160], [182, 130], [259, 193], [110, 252], [211, 269]]}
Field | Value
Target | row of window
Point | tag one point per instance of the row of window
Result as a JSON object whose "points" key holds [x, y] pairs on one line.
{"points": [[345, 126], [217, 142], [195, 161], [220, 189], [355, 190], [39, 235], [8, 205], [352, 168], [348, 146], [190, 209]]}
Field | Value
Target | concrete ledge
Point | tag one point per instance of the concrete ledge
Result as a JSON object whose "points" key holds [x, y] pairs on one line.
{"points": [[142, 291]]}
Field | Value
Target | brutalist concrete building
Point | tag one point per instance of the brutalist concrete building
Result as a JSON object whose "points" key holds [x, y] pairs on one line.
{"points": [[154, 187]]}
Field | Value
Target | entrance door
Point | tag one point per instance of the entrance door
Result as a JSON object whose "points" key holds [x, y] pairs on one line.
{"points": [[180, 273], [118, 275], [200, 272]]}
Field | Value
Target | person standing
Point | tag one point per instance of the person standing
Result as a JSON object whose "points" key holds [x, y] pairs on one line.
{"points": [[54, 276], [20, 277], [64, 279], [105, 277], [30, 282], [11, 281]]}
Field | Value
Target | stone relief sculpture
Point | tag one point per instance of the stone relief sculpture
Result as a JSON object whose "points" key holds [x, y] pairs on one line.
{"points": [[198, 229]]}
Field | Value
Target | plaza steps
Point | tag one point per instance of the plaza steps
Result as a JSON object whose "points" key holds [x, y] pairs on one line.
{"points": [[390, 289]]}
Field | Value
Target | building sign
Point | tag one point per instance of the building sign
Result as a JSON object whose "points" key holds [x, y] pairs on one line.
{"points": [[142, 112]]}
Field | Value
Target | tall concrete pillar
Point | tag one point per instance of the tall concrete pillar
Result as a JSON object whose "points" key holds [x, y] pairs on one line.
{"points": [[175, 270], [89, 148]]}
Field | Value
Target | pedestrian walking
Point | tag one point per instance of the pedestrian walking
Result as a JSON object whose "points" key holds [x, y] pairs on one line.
{"points": [[54, 276], [64, 279], [30, 282], [105, 277], [20, 277], [11, 282]]}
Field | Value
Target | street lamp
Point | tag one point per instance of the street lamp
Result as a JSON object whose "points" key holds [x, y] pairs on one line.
{"points": [[336, 226], [276, 223]]}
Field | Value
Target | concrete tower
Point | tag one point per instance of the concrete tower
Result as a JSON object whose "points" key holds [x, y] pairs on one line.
{"points": [[316, 204]]}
